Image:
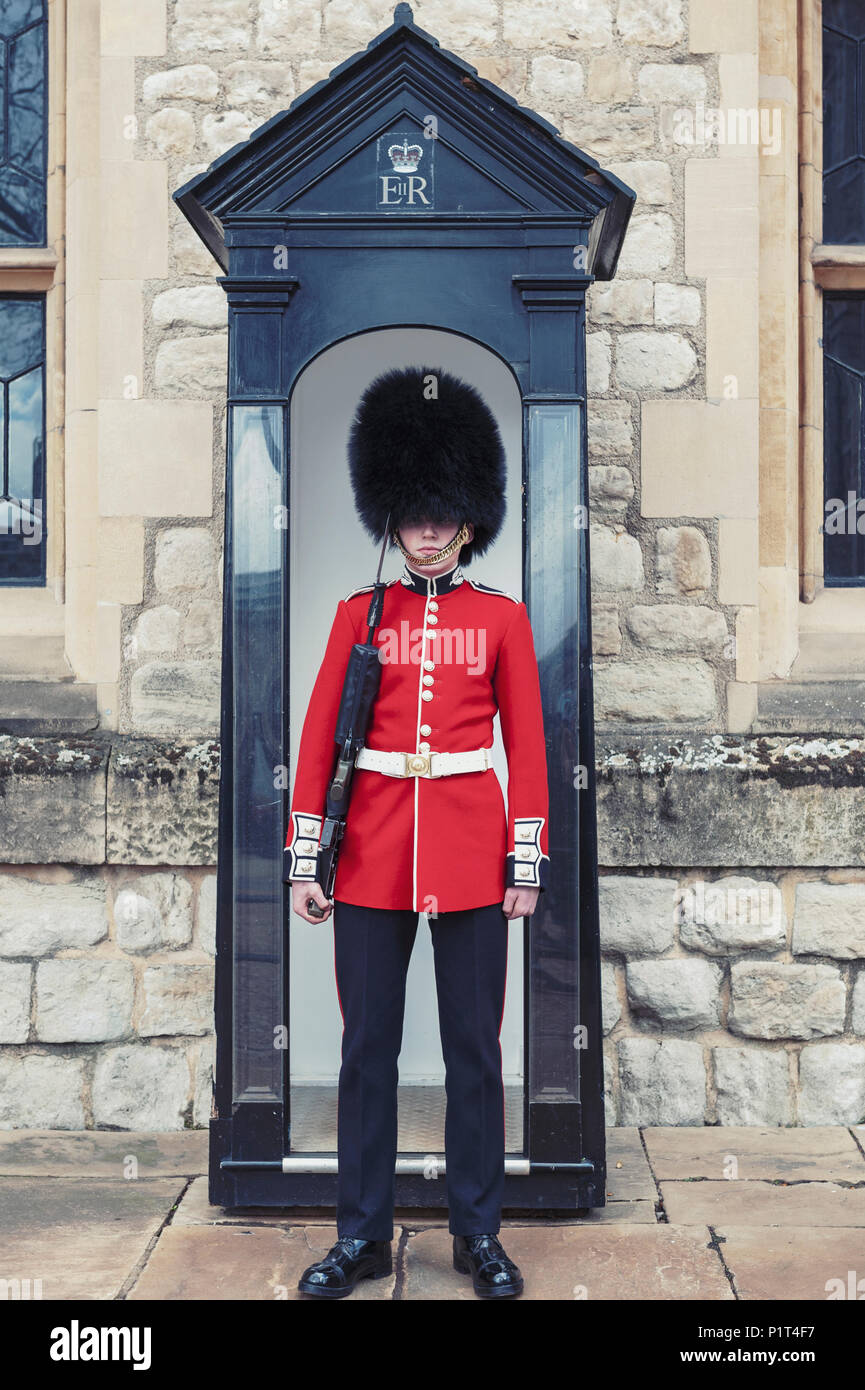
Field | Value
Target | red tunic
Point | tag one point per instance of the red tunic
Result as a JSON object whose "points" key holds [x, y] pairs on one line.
{"points": [[453, 652]]}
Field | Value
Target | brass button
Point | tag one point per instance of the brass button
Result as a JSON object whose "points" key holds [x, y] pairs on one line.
{"points": [[523, 871], [432, 619], [429, 665], [306, 866], [434, 608], [428, 680], [425, 729], [305, 847], [426, 694], [523, 833], [424, 747]]}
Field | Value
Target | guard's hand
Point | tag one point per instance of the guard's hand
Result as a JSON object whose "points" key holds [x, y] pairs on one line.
{"points": [[520, 902], [301, 892]]}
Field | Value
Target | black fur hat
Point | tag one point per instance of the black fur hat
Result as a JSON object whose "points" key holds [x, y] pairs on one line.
{"points": [[423, 444]]}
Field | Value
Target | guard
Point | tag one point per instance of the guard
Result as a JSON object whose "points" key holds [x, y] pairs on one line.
{"points": [[427, 830]]}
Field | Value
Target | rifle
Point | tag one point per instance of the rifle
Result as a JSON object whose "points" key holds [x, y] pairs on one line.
{"points": [[360, 687]]}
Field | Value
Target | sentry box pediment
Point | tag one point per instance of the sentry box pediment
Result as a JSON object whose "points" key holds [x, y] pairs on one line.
{"points": [[407, 131]]}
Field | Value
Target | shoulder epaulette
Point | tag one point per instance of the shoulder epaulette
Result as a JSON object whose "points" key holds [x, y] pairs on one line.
{"points": [[367, 589], [488, 589]]}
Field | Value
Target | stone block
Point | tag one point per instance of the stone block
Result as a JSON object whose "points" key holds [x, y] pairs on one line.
{"points": [[651, 180], [661, 1082], [610, 429], [832, 1084], [675, 627], [731, 914], [176, 696], [15, 981], [753, 1086], [611, 488], [684, 993], [637, 914], [611, 1009], [177, 999], [617, 561], [41, 1092], [206, 935], [655, 691], [38, 918], [683, 563], [770, 999], [654, 362], [829, 920], [141, 444], [728, 801], [53, 792], [700, 459], [141, 1086], [83, 1001], [606, 635], [154, 912], [163, 802]]}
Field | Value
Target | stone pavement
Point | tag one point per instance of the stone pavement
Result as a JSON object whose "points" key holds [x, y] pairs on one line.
{"points": [[706, 1214]]}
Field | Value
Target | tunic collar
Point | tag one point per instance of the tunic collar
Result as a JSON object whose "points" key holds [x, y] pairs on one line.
{"points": [[431, 586]]}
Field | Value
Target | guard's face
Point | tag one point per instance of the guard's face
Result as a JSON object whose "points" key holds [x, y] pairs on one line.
{"points": [[423, 538]]}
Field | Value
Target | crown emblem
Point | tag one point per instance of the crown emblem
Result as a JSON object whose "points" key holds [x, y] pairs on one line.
{"points": [[405, 157]]}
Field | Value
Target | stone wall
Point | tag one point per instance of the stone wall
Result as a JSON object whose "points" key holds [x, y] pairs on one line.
{"points": [[673, 341], [107, 918], [732, 900], [106, 998]]}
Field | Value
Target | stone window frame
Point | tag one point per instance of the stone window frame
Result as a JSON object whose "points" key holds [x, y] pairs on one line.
{"points": [[37, 611], [821, 266]]}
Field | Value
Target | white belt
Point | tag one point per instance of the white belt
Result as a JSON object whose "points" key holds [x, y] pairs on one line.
{"points": [[423, 764]]}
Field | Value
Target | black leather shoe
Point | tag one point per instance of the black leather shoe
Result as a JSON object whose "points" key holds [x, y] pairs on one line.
{"points": [[347, 1261], [493, 1274]]}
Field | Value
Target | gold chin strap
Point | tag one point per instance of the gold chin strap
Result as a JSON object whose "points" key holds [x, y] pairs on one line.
{"points": [[459, 540]]}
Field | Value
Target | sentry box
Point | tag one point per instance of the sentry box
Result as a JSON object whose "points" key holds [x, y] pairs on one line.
{"points": [[403, 209]]}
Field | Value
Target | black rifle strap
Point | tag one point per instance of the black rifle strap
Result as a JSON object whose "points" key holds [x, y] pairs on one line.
{"points": [[376, 603]]}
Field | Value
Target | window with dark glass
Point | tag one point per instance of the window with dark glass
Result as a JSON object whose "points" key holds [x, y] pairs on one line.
{"points": [[23, 163], [843, 419], [843, 310], [22, 419], [843, 122], [24, 119]]}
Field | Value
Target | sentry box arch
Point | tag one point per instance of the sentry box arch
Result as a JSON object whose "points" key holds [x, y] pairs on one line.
{"points": [[404, 190]]}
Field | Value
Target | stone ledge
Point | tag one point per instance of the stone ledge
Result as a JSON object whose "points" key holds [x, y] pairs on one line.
{"points": [[680, 801], [731, 801], [108, 799], [48, 706], [805, 705]]}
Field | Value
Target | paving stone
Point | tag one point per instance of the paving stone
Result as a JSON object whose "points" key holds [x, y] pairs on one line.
{"points": [[82, 1239], [825, 1152], [580, 1261], [244, 1262], [792, 1263], [196, 1210], [633, 1181], [763, 1203], [640, 1213], [95, 1153]]}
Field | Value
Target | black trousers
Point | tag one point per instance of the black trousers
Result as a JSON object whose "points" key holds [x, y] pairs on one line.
{"points": [[372, 949]]}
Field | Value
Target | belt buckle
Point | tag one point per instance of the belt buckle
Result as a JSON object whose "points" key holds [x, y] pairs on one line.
{"points": [[416, 764]]}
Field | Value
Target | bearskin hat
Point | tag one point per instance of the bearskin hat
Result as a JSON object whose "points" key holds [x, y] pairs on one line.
{"points": [[423, 444]]}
